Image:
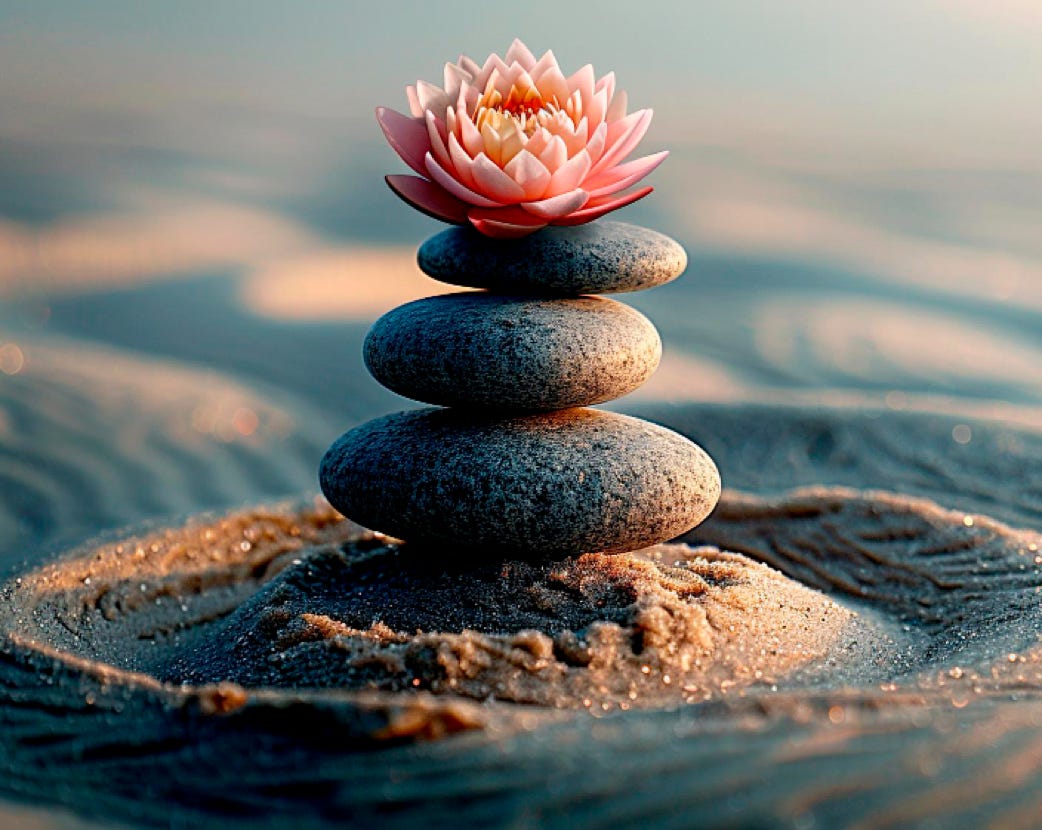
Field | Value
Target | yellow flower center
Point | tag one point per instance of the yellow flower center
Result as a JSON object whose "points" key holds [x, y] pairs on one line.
{"points": [[503, 121]]}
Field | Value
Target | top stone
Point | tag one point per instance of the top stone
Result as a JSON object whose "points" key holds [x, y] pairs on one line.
{"points": [[597, 258]]}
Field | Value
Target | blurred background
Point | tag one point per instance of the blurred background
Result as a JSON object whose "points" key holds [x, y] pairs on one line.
{"points": [[195, 234]]}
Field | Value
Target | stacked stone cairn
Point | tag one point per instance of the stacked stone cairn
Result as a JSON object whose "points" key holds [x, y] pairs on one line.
{"points": [[510, 462]]}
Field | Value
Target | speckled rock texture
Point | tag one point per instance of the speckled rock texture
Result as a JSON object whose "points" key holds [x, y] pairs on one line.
{"points": [[597, 258], [512, 353], [539, 486]]}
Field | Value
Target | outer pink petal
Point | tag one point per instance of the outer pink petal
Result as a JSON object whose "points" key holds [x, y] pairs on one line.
{"points": [[617, 129], [455, 76], [432, 97], [428, 198], [493, 63], [505, 223], [554, 154], [407, 136], [468, 97], [597, 108], [583, 80], [469, 65], [519, 77], [547, 62], [414, 102], [436, 132], [521, 54], [602, 206], [473, 143], [617, 108], [493, 182], [461, 162], [530, 173], [538, 141], [455, 187], [557, 206], [626, 142], [623, 175], [595, 146], [551, 82], [570, 174], [579, 138]]}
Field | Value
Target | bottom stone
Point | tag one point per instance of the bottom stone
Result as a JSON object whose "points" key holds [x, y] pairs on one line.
{"points": [[554, 484]]}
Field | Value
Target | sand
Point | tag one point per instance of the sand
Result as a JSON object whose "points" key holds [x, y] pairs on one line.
{"points": [[298, 600], [290, 645], [894, 521]]}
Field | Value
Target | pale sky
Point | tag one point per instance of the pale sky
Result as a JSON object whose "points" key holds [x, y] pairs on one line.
{"points": [[971, 69]]}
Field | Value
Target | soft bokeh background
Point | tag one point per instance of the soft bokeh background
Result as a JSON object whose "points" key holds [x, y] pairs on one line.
{"points": [[194, 230], [195, 235]]}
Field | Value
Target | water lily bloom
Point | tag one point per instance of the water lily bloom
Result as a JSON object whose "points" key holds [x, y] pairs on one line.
{"points": [[514, 145]]}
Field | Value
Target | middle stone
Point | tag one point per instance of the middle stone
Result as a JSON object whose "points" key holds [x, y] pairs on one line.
{"points": [[512, 353]]}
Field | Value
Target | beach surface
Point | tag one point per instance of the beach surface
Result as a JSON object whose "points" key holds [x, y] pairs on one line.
{"points": [[857, 621]]}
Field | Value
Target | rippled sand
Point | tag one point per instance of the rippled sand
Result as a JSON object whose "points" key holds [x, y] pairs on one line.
{"points": [[281, 633], [852, 637]]}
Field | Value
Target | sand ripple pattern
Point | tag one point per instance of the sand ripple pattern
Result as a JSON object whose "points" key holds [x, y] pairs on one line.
{"points": [[944, 728], [92, 439]]}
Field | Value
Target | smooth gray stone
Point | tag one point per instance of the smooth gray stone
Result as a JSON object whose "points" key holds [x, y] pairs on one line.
{"points": [[597, 258], [512, 353], [548, 485]]}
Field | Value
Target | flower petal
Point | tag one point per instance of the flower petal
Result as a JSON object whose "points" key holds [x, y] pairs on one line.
{"points": [[428, 198], [469, 65], [595, 146], [576, 138], [629, 138], [414, 102], [512, 141], [461, 162], [491, 143], [505, 223], [623, 175], [551, 84], [599, 207], [436, 133], [432, 97], [570, 174], [455, 75], [546, 62], [557, 206], [470, 137], [538, 141], [554, 154], [521, 54], [530, 173], [597, 108], [617, 107], [583, 80], [493, 64], [455, 187], [519, 78], [494, 183], [468, 98], [407, 136]]}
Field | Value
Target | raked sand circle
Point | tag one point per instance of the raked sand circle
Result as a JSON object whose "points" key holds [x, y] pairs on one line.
{"points": [[278, 662]]}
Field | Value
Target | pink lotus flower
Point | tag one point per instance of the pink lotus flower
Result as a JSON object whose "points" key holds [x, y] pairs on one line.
{"points": [[514, 145]]}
